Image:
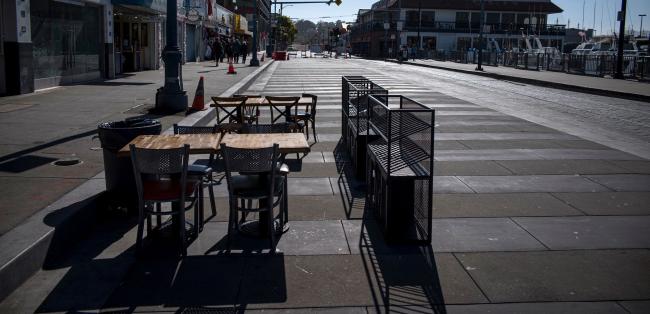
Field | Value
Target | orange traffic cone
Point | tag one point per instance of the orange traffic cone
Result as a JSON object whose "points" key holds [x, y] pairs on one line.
{"points": [[231, 68], [199, 103]]}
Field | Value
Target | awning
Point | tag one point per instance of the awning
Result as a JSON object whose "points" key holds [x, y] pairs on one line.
{"points": [[144, 6]]}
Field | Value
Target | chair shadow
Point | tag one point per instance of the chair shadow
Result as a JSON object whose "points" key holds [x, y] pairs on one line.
{"points": [[215, 281]]}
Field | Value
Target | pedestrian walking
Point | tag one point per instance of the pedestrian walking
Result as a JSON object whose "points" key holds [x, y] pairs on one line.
{"points": [[244, 50], [235, 50], [229, 52], [218, 51]]}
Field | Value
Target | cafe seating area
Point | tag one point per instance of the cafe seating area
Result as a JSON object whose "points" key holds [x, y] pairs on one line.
{"points": [[246, 145]]}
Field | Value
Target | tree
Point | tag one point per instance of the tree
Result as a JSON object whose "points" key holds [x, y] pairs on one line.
{"points": [[286, 29], [306, 32]]}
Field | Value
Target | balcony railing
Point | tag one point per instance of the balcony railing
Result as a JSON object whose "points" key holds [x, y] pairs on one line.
{"points": [[463, 27]]}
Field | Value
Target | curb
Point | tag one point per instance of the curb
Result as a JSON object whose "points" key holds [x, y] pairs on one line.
{"points": [[26, 249], [573, 88]]}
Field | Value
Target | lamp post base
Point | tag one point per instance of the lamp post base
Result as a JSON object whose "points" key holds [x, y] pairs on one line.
{"points": [[255, 62], [171, 101]]}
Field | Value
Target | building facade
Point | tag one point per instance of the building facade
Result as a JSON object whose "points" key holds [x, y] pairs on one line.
{"points": [[46, 43], [438, 25]]}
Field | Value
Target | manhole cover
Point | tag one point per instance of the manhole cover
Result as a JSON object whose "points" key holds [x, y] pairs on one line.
{"points": [[65, 162], [4, 108]]}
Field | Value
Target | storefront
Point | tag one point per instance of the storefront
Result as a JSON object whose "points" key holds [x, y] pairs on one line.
{"points": [[137, 33], [67, 42]]}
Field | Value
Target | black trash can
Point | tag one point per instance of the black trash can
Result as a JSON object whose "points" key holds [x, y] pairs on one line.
{"points": [[120, 182]]}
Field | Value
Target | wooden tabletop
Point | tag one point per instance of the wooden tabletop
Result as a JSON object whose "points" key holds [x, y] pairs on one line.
{"points": [[289, 143], [258, 101], [199, 143]]}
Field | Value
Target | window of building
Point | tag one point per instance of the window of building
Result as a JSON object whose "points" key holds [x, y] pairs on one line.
{"points": [[508, 21], [476, 20], [462, 20], [492, 19], [412, 18], [428, 18]]}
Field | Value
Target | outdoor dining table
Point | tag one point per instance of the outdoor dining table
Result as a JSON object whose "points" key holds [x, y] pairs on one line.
{"points": [[289, 143], [233, 109]]}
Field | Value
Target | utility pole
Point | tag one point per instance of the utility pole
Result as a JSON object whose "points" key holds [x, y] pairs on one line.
{"points": [[419, 26], [621, 41], [171, 97], [254, 61], [480, 38]]}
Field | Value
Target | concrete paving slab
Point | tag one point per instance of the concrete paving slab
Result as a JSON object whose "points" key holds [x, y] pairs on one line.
{"points": [[624, 182], [485, 154], [426, 280], [196, 281], [504, 128], [547, 183], [606, 154], [512, 144], [634, 166], [341, 310], [539, 167], [481, 235], [314, 238], [584, 233], [469, 168], [539, 308], [500, 205], [636, 307], [20, 200], [551, 276], [448, 184], [609, 203], [503, 136], [307, 281]]}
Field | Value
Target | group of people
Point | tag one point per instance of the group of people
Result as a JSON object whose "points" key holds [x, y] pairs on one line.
{"points": [[233, 49]]}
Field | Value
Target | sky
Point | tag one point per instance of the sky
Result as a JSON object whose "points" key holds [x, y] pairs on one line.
{"points": [[573, 12]]}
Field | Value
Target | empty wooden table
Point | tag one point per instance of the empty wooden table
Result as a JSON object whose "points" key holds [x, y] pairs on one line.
{"points": [[199, 143], [290, 143]]}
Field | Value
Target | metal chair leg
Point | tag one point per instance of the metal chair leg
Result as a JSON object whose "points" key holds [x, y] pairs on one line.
{"points": [[138, 241]]}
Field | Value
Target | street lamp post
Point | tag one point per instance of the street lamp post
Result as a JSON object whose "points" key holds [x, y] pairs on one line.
{"points": [[254, 61], [621, 41], [480, 39], [171, 97], [641, 30], [386, 27]]}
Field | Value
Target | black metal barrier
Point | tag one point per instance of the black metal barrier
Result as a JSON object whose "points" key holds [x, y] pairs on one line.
{"points": [[399, 168], [355, 132]]}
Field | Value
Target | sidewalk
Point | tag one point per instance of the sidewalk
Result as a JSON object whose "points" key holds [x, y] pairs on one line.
{"points": [[40, 128], [580, 83], [526, 219]]}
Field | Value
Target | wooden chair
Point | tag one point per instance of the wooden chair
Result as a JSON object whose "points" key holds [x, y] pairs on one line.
{"points": [[283, 105], [250, 113], [308, 115], [222, 104]]}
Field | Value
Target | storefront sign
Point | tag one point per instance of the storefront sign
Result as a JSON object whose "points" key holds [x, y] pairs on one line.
{"points": [[193, 15]]}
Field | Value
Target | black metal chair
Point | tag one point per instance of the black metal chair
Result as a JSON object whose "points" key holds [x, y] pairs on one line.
{"points": [[161, 177], [201, 172], [257, 181], [308, 115]]}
